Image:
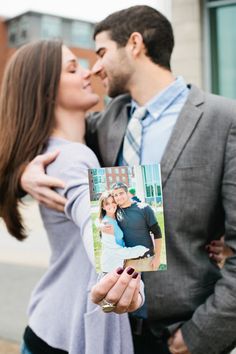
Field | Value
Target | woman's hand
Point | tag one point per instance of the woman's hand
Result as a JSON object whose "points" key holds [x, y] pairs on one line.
{"points": [[176, 344], [120, 288], [219, 251]]}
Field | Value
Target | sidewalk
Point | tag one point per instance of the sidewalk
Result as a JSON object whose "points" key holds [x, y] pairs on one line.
{"points": [[9, 347], [21, 266]]}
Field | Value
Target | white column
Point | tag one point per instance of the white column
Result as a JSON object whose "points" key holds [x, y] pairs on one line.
{"points": [[164, 6]]}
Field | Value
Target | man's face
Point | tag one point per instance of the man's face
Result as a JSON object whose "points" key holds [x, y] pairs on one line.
{"points": [[121, 197], [113, 65]]}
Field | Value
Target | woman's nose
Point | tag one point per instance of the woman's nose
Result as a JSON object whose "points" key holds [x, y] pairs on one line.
{"points": [[86, 73]]}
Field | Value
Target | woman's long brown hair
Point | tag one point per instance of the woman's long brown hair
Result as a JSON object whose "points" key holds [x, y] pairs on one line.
{"points": [[103, 198], [27, 103]]}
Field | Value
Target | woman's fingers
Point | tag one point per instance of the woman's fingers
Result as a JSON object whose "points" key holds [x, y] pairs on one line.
{"points": [[51, 199], [121, 288], [100, 290], [130, 299]]}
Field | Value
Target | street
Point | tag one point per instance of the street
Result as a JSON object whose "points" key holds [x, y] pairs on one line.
{"points": [[21, 266]]}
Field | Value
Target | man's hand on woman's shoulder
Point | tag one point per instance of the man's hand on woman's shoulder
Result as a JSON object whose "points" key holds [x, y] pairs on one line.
{"points": [[35, 182]]}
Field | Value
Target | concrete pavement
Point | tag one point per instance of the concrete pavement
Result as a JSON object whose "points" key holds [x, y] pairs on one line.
{"points": [[21, 266], [8, 347]]}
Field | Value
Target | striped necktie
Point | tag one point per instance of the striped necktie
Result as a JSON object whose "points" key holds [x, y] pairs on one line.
{"points": [[133, 138]]}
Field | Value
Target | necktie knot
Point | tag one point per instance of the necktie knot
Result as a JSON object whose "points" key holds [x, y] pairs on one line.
{"points": [[139, 113], [133, 138]]}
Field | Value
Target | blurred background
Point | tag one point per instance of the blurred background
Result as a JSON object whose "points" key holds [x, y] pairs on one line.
{"points": [[204, 54]]}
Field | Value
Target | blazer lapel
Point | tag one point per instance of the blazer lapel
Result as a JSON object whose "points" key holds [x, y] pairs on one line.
{"points": [[112, 131], [183, 129]]}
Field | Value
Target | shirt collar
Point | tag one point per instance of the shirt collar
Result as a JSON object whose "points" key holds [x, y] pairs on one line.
{"points": [[160, 102]]}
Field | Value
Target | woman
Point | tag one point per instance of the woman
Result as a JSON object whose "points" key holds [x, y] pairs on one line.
{"points": [[44, 97], [114, 251]]}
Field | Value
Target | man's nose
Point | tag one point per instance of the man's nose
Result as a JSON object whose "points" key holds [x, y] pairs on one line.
{"points": [[97, 68]]}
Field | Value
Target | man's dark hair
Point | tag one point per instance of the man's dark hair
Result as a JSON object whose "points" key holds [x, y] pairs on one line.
{"points": [[119, 185], [154, 27]]}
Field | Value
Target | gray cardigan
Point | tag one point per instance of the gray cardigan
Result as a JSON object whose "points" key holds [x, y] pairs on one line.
{"points": [[60, 310]]}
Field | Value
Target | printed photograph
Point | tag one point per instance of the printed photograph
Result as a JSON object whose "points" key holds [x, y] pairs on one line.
{"points": [[127, 218]]}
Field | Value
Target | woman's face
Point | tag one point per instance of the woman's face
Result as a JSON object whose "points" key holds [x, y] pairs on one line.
{"points": [[109, 205], [75, 91]]}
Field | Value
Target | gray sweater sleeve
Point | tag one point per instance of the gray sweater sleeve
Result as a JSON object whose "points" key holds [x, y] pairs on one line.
{"points": [[72, 167]]}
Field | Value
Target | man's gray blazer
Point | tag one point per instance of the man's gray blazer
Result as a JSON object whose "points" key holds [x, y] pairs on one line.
{"points": [[199, 190]]}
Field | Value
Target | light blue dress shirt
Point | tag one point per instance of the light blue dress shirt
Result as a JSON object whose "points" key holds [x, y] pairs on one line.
{"points": [[118, 233], [163, 111]]}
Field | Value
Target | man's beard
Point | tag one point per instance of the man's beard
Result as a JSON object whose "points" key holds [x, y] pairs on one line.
{"points": [[117, 84]]}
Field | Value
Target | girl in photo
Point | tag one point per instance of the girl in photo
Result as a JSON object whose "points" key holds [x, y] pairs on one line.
{"points": [[114, 251]]}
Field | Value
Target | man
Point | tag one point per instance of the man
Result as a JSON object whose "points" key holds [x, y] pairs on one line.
{"points": [[137, 220], [193, 134]]}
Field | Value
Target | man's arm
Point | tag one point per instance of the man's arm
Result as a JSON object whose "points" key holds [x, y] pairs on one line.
{"points": [[156, 231], [157, 257], [212, 328], [35, 182]]}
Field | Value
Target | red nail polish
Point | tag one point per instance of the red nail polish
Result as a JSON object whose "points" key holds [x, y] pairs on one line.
{"points": [[135, 275], [119, 271], [130, 270]]}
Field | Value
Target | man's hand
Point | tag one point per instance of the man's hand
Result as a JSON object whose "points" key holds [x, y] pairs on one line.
{"points": [[176, 344], [219, 251], [35, 182], [120, 287], [107, 228]]}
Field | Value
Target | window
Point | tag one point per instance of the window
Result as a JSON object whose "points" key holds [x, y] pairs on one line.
{"points": [[222, 31], [12, 33], [82, 34], [151, 179], [51, 27], [84, 63], [23, 29], [94, 172]]}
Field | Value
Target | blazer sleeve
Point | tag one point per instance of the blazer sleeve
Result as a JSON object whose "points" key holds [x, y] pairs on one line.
{"points": [[212, 328]]}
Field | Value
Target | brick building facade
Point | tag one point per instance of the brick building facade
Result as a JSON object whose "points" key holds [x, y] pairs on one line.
{"points": [[31, 26]]}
